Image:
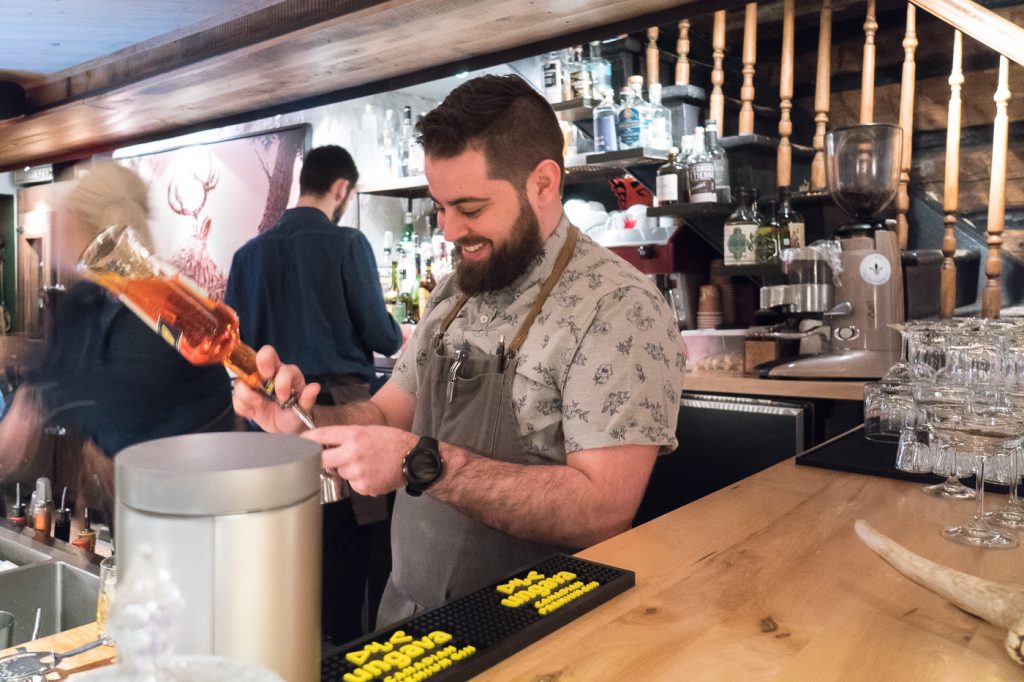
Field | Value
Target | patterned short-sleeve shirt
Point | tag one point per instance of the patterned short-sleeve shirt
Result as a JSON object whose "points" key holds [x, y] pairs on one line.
{"points": [[602, 365]]}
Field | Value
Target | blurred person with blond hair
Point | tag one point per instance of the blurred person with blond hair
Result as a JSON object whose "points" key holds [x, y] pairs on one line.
{"points": [[105, 378]]}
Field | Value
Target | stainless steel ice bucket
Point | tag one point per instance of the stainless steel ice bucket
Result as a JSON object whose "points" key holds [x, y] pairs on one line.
{"points": [[236, 520]]}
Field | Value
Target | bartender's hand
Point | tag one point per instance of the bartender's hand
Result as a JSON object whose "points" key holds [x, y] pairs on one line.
{"points": [[368, 457], [288, 381]]}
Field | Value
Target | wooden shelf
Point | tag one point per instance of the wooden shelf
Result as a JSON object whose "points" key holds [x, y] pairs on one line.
{"points": [[704, 209], [622, 159], [414, 187], [573, 110]]}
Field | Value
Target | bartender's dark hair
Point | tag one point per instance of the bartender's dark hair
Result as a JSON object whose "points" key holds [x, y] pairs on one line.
{"points": [[323, 166], [504, 118]]}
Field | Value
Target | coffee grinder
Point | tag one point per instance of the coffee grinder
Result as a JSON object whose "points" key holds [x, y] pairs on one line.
{"points": [[862, 170]]}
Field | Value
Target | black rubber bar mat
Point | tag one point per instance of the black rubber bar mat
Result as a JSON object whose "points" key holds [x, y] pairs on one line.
{"points": [[466, 636], [853, 452]]}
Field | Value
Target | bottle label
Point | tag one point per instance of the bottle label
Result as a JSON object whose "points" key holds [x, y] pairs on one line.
{"points": [[582, 85], [629, 127], [796, 235], [605, 135], [553, 81], [668, 188], [168, 332], [702, 182], [739, 243]]}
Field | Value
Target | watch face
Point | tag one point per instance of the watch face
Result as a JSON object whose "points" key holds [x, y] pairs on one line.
{"points": [[424, 466]]}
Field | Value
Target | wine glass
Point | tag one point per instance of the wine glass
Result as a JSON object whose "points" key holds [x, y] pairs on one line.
{"points": [[985, 431]]}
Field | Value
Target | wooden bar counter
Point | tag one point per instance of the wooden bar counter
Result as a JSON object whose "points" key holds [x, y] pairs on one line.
{"points": [[766, 580], [744, 384]]}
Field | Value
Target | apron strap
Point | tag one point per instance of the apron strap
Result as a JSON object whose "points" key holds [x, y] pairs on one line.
{"points": [[564, 256]]}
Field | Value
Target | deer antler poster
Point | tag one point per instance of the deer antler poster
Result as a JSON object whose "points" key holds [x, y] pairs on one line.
{"points": [[207, 200]]}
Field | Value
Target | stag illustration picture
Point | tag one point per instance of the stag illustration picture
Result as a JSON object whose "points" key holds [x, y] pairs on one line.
{"points": [[194, 258]]}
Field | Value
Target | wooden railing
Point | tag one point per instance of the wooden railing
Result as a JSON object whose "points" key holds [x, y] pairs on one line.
{"points": [[966, 17]]}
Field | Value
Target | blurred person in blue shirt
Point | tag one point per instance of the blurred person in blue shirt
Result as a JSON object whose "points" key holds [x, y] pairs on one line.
{"points": [[311, 289], [106, 379]]}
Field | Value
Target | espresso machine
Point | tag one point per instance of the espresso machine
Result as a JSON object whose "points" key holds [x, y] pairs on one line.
{"points": [[862, 170]]}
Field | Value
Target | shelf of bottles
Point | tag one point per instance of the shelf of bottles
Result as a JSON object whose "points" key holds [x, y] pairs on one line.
{"points": [[412, 187], [621, 159]]}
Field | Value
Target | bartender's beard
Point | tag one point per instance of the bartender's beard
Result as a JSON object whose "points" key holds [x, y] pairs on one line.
{"points": [[507, 262]]}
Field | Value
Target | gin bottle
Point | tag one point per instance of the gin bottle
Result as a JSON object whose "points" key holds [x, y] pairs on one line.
{"points": [[660, 129], [600, 69], [700, 172], [740, 232], [606, 124], [669, 179], [789, 220], [720, 162], [554, 76], [629, 120]]}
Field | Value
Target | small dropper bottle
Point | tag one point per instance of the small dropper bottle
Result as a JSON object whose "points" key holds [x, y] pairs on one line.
{"points": [[62, 520], [42, 509], [17, 515], [87, 536]]}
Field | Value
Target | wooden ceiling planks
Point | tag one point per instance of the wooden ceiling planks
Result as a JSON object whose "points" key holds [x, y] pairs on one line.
{"points": [[122, 99]]}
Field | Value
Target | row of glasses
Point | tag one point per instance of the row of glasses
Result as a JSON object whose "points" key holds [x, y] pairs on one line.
{"points": [[955, 402], [970, 410]]}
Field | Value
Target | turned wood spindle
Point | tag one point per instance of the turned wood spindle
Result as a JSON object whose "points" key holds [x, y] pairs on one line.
{"points": [[683, 49], [951, 186], [785, 154], [991, 300], [653, 61], [907, 124], [746, 125], [867, 75], [716, 103], [822, 94]]}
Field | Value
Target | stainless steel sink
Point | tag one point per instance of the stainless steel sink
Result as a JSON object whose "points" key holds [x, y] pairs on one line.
{"points": [[60, 581], [66, 596]]}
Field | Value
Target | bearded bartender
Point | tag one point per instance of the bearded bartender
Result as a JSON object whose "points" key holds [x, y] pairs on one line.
{"points": [[526, 412]]}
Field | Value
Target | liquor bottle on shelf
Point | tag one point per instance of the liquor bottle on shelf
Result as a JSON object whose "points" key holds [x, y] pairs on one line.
{"points": [[740, 231], [554, 77], [406, 140], [636, 83], [369, 132], [415, 151], [427, 284], [790, 220], [600, 69], [700, 173], [204, 331], [606, 137], [720, 161], [629, 123], [660, 128], [391, 293], [384, 262], [670, 178], [581, 82], [767, 244], [389, 145]]}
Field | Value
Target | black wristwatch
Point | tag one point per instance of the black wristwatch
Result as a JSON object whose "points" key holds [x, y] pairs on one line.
{"points": [[422, 466]]}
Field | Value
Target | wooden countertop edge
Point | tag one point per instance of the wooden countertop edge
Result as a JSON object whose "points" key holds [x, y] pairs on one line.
{"points": [[742, 384]]}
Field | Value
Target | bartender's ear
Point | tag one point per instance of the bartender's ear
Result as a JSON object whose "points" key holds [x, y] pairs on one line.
{"points": [[544, 186], [339, 190]]}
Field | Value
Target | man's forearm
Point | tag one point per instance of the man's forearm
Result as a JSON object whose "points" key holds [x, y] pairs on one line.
{"points": [[550, 504], [366, 413]]}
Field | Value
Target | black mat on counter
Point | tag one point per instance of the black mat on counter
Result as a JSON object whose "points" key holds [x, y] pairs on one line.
{"points": [[482, 630], [854, 453]]}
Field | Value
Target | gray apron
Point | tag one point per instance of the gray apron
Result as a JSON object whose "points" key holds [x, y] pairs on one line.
{"points": [[438, 552]]}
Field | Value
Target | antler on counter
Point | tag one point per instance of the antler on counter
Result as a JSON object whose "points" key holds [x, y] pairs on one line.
{"points": [[996, 603]]}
